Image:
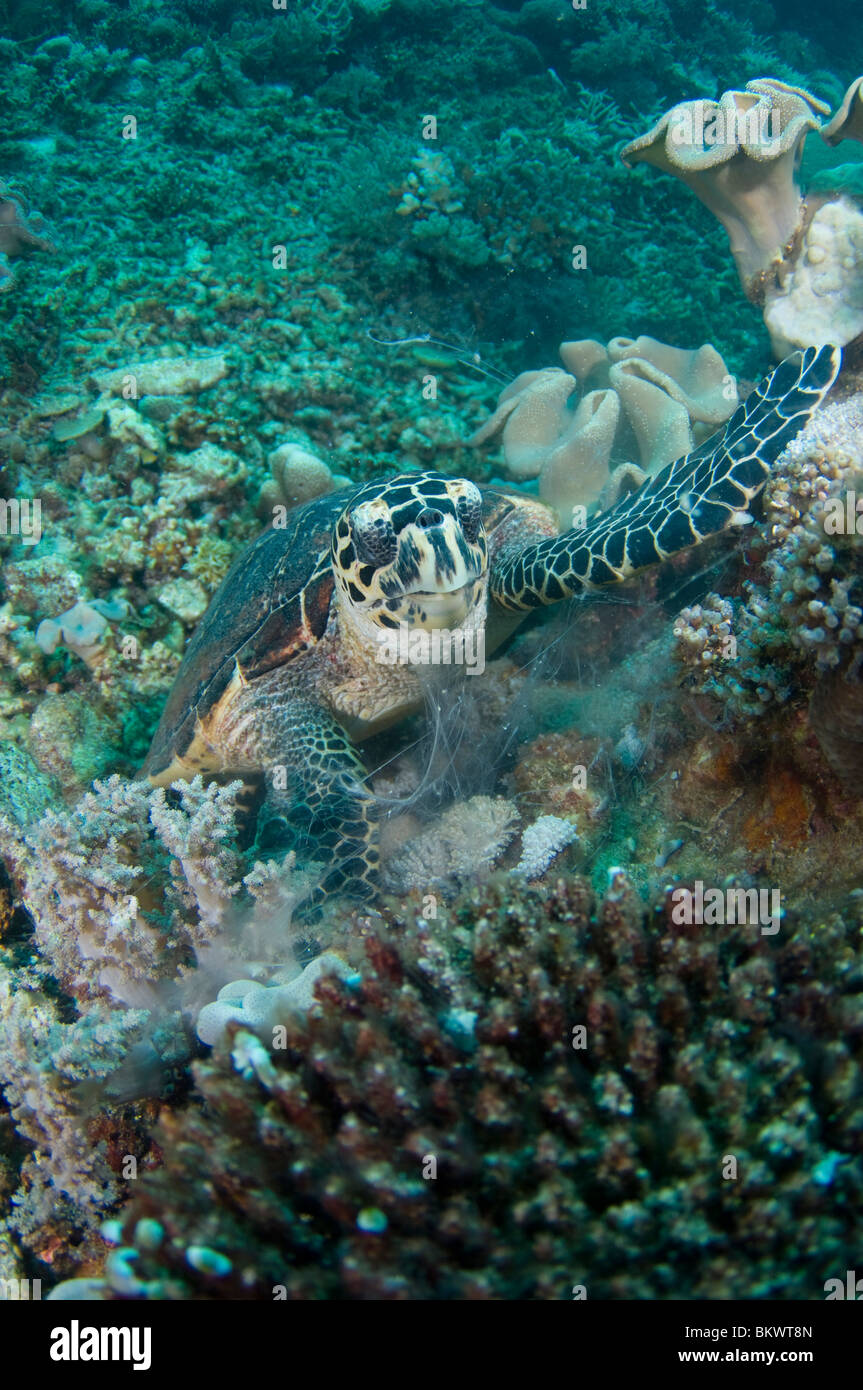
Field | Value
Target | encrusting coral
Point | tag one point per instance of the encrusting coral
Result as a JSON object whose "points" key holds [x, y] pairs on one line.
{"points": [[836, 715], [821, 297], [25, 791], [163, 376]]}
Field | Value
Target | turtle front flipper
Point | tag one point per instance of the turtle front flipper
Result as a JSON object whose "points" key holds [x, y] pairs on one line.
{"points": [[343, 812], [312, 769], [695, 497]]}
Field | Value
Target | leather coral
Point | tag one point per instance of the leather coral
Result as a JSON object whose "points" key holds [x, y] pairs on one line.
{"points": [[619, 412], [800, 257]]}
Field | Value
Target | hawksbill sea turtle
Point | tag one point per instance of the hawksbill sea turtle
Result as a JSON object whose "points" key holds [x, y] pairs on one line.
{"points": [[284, 673]]}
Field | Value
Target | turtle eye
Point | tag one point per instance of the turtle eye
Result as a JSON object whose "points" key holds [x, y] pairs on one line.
{"points": [[469, 509], [376, 541]]}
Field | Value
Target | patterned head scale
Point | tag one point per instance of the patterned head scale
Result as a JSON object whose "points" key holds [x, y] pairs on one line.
{"points": [[413, 550]]}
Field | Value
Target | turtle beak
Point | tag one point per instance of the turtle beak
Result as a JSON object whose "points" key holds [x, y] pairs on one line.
{"points": [[449, 608], [445, 609]]}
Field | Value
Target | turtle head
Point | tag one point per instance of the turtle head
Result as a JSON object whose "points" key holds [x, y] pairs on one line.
{"points": [[412, 550]]}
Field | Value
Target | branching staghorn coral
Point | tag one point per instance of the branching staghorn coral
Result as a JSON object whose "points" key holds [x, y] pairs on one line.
{"points": [[122, 888], [43, 1063], [134, 883]]}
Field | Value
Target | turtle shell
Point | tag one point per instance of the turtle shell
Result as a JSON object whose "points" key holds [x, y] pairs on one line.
{"points": [[272, 606]]}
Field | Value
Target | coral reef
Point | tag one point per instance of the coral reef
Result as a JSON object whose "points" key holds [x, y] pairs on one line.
{"points": [[804, 614]]}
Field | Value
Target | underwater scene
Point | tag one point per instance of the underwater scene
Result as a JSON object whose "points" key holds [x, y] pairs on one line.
{"points": [[431, 650]]}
